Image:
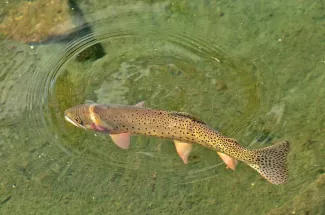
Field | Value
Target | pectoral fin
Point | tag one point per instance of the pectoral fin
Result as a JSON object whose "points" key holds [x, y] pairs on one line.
{"points": [[121, 140], [183, 149], [230, 162]]}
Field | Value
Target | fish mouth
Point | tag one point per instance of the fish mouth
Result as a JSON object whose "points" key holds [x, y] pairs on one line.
{"points": [[69, 120], [72, 122]]}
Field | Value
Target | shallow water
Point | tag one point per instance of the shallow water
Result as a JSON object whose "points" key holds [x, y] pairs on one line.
{"points": [[254, 71]]}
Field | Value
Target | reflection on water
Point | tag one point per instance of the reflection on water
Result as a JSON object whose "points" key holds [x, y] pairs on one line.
{"points": [[233, 65]]}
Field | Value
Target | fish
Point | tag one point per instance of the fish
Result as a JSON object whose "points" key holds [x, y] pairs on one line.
{"points": [[122, 121]]}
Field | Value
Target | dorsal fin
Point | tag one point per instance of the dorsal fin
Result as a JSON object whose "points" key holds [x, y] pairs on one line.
{"points": [[188, 116]]}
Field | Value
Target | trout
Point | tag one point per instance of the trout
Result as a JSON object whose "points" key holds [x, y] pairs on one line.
{"points": [[121, 121]]}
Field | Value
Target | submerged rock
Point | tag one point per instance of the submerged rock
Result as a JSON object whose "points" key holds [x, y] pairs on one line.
{"points": [[37, 20]]}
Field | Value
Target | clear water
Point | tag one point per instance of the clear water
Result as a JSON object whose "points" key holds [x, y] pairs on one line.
{"points": [[254, 70]]}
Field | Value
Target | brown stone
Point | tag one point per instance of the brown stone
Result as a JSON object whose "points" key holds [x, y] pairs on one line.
{"points": [[37, 20]]}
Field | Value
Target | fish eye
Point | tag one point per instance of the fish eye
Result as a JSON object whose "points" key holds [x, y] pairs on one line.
{"points": [[78, 120]]}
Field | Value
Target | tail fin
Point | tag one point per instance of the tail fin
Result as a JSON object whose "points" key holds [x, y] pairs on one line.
{"points": [[270, 162]]}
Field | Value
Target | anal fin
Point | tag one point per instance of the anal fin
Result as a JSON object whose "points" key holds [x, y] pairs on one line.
{"points": [[121, 140], [183, 149], [229, 161]]}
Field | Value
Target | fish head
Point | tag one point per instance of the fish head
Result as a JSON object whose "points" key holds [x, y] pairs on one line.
{"points": [[79, 116], [83, 116]]}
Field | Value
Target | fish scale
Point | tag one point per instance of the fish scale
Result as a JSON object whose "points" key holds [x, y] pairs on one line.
{"points": [[122, 120]]}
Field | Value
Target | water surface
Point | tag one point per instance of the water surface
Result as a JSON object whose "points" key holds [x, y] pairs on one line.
{"points": [[252, 70]]}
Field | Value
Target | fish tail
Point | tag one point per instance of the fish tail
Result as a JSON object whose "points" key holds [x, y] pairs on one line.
{"points": [[271, 162]]}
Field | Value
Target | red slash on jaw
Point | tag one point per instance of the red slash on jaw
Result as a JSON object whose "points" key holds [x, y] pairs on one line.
{"points": [[98, 128]]}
